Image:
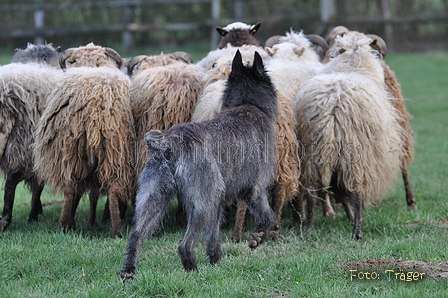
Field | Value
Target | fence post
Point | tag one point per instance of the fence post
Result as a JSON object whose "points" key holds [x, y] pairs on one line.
{"points": [[127, 36], [39, 15], [238, 6], [388, 28], [216, 12]]}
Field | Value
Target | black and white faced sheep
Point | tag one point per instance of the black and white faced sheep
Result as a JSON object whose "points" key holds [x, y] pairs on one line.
{"points": [[209, 164], [238, 34], [25, 85], [348, 129], [84, 139]]}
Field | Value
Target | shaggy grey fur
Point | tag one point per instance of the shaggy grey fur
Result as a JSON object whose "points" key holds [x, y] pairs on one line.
{"points": [[210, 164]]}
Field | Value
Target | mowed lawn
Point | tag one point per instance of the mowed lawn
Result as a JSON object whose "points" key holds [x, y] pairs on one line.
{"points": [[37, 261]]}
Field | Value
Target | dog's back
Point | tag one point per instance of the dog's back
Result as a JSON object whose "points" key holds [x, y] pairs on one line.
{"points": [[237, 145], [210, 163]]}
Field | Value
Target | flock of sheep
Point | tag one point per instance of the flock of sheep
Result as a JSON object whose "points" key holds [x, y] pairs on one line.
{"points": [[75, 121]]}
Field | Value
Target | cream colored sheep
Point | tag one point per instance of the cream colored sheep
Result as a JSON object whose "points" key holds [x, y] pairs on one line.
{"points": [[348, 129]]}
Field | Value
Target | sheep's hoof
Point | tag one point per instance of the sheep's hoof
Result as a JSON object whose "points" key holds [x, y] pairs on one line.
{"points": [[412, 206], [127, 276], [256, 239], [236, 237], [116, 235], [4, 223], [273, 235], [65, 228], [357, 235], [31, 219]]}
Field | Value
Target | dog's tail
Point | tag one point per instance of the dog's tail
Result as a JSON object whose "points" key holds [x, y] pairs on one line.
{"points": [[156, 140]]}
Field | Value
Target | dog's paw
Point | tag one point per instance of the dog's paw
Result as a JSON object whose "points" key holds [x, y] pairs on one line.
{"points": [[126, 276], [256, 239]]}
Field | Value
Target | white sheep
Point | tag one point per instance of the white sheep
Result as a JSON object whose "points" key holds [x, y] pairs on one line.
{"points": [[397, 100], [347, 126]]}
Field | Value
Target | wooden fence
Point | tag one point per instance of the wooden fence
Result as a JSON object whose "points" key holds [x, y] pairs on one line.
{"points": [[130, 21]]}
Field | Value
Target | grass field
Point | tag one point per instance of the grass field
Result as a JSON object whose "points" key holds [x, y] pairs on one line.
{"points": [[36, 261]]}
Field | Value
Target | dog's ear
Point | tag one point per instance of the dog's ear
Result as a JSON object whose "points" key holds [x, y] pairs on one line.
{"points": [[258, 66], [237, 63], [254, 28], [221, 31]]}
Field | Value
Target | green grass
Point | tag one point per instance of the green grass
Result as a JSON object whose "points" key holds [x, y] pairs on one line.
{"points": [[36, 261]]}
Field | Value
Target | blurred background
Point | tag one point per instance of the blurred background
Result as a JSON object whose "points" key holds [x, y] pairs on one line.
{"points": [[131, 25]]}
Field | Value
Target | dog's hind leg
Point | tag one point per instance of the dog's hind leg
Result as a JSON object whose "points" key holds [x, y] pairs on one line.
{"points": [[196, 222], [157, 187], [213, 239], [148, 216], [257, 201]]}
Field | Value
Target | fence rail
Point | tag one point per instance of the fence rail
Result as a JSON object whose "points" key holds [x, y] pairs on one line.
{"points": [[127, 19]]}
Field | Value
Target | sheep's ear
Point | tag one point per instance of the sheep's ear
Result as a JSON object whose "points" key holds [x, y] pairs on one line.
{"points": [[237, 63], [58, 49], [258, 66], [299, 51], [270, 51], [221, 31], [254, 28]]}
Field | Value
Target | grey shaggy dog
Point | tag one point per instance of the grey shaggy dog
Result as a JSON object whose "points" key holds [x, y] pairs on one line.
{"points": [[210, 164]]}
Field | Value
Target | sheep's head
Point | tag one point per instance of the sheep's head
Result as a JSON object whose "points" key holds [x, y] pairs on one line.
{"points": [[45, 54], [90, 56], [238, 34], [301, 40], [142, 62], [352, 51], [378, 44], [336, 31], [286, 50]]}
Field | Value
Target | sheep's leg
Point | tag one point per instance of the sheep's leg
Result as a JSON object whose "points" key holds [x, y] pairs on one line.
{"points": [[327, 208], [67, 219], [106, 212], [310, 202], [241, 209], [114, 211], [12, 179], [93, 198], [148, 216], [278, 200], [264, 217], [36, 204], [213, 239], [357, 233], [298, 214], [410, 199], [348, 208]]}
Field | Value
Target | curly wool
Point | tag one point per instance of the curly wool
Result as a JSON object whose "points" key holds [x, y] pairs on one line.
{"points": [[404, 116], [87, 129], [24, 89], [163, 95], [347, 125]]}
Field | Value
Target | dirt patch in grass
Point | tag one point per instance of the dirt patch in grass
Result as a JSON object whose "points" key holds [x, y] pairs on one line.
{"points": [[430, 269], [441, 223]]}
